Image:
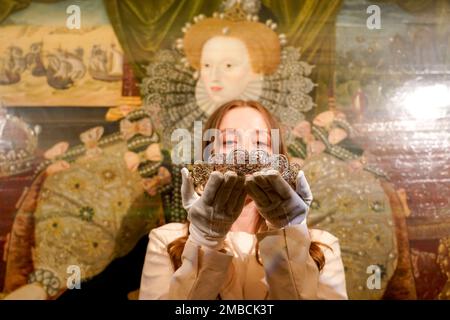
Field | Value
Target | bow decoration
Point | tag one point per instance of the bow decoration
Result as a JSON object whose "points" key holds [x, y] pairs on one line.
{"points": [[129, 129], [152, 153]]}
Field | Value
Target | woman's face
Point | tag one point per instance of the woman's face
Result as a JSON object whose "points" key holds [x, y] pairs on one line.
{"points": [[225, 68], [243, 128]]}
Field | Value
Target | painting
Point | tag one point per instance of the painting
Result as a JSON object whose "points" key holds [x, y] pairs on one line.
{"points": [[374, 146], [393, 83], [45, 63]]}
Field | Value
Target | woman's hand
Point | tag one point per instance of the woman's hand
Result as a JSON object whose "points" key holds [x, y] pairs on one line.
{"points": [[277, 202], [212, 214]]}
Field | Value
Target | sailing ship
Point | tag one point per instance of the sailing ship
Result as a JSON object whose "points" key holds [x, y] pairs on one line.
{"points": [[106, 65], [12, 66], [64, 68], [34, 60]]}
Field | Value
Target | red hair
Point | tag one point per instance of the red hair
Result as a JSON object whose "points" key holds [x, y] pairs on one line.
{"points": [[262, 42]]}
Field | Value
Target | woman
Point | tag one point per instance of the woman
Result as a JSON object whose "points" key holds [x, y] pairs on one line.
{"points": [[246, 238]]}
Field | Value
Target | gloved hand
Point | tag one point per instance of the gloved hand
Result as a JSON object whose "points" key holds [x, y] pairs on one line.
{"points": [[275, 199], [188, 194], [212, 214]]}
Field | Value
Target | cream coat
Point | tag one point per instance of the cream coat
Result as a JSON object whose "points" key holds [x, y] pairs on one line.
{"points": [[288, 271]]}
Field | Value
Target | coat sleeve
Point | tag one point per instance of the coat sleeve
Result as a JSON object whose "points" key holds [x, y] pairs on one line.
{"points": [[291, 272], [201, 276]]}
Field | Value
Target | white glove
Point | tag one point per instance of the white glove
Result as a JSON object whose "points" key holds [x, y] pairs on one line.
{"points": [[188, 194], [212, 214], [277, 202]]}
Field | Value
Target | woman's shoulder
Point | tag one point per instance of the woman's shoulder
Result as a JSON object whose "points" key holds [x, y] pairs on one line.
{"points": [[169, 232], [324, 237]]}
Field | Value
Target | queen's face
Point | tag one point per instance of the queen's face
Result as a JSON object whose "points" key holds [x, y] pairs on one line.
{"points": [[225, 68]]}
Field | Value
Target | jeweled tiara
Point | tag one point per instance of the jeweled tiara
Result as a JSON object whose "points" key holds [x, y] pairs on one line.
{"points": [[243, 163]]}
